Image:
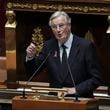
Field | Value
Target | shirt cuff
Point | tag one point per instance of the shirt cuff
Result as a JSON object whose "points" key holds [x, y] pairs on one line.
{"points": [[29, 58]]}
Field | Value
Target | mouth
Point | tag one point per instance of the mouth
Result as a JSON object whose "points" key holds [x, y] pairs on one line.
{"points": [[59, 35]]}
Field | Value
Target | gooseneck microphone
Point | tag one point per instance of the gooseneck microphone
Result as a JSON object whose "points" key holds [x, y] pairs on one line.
{"points": [[24, 94], [69, 69]]}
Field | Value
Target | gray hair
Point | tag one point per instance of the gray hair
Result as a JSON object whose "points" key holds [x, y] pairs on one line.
{"points": [[57, 14]]}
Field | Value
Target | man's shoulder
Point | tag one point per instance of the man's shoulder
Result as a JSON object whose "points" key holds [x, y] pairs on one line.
{"points": [[50, 41], [82, 40]]}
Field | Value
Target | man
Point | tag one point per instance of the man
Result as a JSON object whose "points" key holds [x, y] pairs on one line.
{"points": [[81, 74]]}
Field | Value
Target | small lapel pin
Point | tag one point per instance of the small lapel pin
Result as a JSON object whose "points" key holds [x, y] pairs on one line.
{"points": [[55, 54]]}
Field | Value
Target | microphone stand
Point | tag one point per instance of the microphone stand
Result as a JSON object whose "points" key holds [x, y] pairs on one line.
{"points": [[76, 94], [24, 92], [76, 97]]}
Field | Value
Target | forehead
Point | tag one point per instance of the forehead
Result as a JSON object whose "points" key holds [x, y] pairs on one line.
{"points": [[59, 19]]}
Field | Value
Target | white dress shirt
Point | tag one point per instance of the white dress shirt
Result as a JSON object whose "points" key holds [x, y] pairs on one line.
{"points": [[68, 44]]}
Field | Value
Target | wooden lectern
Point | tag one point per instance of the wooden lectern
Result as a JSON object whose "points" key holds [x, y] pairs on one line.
{"points": [[43, 104]]}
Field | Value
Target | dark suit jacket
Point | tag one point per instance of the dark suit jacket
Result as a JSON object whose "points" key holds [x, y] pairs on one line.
{"points": [[83, 63]]}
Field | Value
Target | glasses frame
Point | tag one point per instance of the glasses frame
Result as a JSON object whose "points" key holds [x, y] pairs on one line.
{"points": [[60, 26]]}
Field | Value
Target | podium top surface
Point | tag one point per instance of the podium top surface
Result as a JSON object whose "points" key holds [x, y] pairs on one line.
{"points": [[31, 103], [55, 99]]}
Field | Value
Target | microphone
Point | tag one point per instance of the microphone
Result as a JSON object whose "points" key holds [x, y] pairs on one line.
{"points": [[69, 69], [24, 95]]}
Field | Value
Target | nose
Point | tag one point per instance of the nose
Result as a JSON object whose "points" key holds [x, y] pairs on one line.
{"points": [[58, 28]]}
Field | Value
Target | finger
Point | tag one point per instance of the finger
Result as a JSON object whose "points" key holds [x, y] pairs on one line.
{"points": [[31, 48], [61, 94]]}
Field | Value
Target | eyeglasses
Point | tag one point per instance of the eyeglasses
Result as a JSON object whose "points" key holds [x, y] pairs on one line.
{"points": [[60, 26]]}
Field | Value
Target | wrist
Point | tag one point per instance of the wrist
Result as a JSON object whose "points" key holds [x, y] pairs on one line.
{"points": [[29, 58]]}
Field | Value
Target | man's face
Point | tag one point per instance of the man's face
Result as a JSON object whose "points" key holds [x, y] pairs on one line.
{"points": [[61, 29]]}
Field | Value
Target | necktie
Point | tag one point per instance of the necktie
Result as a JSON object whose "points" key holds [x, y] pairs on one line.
{"points": [[64, 58], [64, 55]]}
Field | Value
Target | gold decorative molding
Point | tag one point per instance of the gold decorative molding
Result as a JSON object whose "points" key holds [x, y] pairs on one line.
{"points": [[107, 0], [39, 90], [37, 39], [91, 8], [10, 51]]}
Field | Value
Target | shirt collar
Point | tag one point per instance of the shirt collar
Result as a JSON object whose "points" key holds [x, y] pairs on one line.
{"points": [[68, 42]]}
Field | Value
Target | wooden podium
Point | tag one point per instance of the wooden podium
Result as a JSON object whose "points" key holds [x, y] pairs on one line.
{"points": [[43, 104]]}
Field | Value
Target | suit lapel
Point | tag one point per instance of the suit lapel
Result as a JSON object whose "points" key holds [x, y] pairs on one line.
{"points": [[74, 51], [56, 60]]}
